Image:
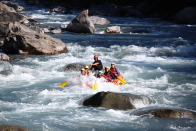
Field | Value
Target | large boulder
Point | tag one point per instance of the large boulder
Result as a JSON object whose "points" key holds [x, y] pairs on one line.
{"points": [[105, 10], [12, 128], [16, 7], [112, 29], [116, 101], [99, 20], [74, 67], [4, 57], [81, 24], [3, 29], [37, 29], [186, 16], [4, 8], [23, 40], [168, 113], [12, 17], [60, 9]]}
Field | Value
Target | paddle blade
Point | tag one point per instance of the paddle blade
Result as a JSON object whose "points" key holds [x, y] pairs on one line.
{"points": [[94, 86], [63, 84], [122, 80]]}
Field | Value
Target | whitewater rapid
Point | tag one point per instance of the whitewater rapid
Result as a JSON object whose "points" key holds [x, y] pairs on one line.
{"points": [[160, 65]]}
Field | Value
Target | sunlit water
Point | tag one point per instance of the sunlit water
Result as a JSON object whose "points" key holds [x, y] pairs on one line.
{"points": [[160, 64]]}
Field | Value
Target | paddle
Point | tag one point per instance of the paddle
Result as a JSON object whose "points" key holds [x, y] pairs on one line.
{"points": [[122, 80], [94, 86], [63, 84]]}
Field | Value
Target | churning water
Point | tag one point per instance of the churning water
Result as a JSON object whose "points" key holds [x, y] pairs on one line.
{"points": [[160, 64]]}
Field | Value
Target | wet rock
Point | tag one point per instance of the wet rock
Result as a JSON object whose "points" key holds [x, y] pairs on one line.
{"points": [[23, 40], [12, 17], [5, 8], [16, 7], [3, 30], [12, 128], [4, 57], [56, 31], [46, 30], [99, 21], [112, 29], [116, 101], [60, 9], [63, 26], [38, 23], [37, 29], [74, 67], [105, 10], [29, 18], [169, 113], [81, 24], [186, 16]]}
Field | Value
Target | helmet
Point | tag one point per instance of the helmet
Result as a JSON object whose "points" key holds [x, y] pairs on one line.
{"points": [[107, 67], [113, 63], [101, 72], [86, 67], [96, 56], [82, 69]]}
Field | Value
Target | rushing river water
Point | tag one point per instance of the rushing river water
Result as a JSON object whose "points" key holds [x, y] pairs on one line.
{"points": [[160, 64]]}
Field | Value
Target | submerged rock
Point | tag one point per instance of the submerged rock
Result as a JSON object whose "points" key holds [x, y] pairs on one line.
{"points": [[74, 67], [112, 29], [23, 40], [12, 128], [113, 100], [81, 24], [169, 113], [60, 9]]}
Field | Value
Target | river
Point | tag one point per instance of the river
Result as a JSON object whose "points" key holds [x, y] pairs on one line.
{"points": [[160, 64]]}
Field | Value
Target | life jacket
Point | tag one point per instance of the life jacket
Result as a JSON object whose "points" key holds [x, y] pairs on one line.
{"points": [[109, 76], [114, 70]]}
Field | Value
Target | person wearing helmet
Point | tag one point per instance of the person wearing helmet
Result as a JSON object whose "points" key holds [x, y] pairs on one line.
{"points": [[83, 72], [110, 76], [97, 65], [87, 70], [114, 70], [100, 74]]}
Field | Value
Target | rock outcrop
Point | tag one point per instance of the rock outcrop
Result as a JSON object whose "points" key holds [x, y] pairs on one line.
{"points": [[116, 101], [112, 29], [4, 57], [74, 67], [169, 113], [16, 7], [81, 24], [186, 16], [99, 20], [23, 40]]}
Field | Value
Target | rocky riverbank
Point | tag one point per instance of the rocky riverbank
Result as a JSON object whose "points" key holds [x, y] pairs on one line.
{"points": [[183, 12]]}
